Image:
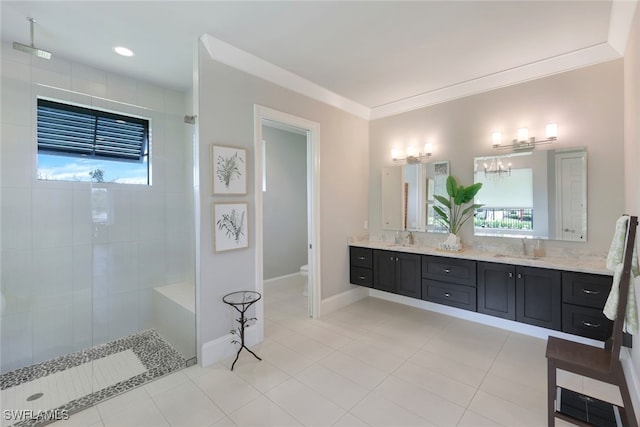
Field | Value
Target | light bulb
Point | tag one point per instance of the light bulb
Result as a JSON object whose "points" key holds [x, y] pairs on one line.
{"points": [[523, 135], [496, 139]]}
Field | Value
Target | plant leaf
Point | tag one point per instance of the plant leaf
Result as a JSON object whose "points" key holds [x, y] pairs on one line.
{"points": [[471, 191], [441, 214], [452, 186], [442, 200], [472, 208]]}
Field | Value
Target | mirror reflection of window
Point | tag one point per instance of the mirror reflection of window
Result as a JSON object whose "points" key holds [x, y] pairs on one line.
{"points": [[533, 194]]}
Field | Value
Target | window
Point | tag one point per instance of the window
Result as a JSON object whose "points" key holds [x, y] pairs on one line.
{"points": [[82, 144]]}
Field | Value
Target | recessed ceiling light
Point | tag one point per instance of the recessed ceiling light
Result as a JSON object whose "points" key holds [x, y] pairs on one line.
{"points": [[120, 50]]}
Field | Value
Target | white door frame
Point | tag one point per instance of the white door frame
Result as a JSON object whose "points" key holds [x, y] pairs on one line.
{"points": [[313, 200]]}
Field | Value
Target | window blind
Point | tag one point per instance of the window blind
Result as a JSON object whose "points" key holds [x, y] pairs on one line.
{"points": [[77, 131]]}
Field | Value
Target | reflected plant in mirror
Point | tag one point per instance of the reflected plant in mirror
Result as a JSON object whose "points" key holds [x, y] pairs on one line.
{"points": [[533, 194]]}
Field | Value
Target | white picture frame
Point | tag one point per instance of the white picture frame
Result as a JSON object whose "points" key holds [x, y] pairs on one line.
{"points": [[228, 170], [230, 226]]}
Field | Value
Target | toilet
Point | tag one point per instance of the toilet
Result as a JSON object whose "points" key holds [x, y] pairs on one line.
{"points": [[304, 272]]}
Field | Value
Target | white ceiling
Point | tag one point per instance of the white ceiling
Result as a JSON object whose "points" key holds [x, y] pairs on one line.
{"points": [[382, 55]]}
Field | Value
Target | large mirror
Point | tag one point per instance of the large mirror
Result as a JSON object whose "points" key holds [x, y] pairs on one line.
{"points": [[408, 195], [533, 194]]}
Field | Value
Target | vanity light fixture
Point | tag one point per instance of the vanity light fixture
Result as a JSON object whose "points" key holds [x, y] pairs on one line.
{"points": [[524, 141], [413, 156]]}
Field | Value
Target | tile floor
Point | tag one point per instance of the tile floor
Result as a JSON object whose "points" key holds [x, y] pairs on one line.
{"points": [[374, 363]]}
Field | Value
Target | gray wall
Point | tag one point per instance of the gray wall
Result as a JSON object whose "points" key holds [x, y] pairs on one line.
{"points": [[587, 104], [284, 202], [226, 99]]}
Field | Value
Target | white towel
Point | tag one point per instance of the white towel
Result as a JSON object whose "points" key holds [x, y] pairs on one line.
{"points": [[615, 263]]}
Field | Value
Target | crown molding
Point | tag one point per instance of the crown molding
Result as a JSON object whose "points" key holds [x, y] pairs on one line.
{"points": [[566, 62], [251, 64]]}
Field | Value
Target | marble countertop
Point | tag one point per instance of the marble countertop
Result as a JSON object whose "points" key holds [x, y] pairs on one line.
{"points": [[581, 264]]}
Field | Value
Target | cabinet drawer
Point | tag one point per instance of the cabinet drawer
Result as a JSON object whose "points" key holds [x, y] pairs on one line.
{"points": [[361, 257], [589, 290], [586, 322], [449, 294], [361, 276], [459, 271]]}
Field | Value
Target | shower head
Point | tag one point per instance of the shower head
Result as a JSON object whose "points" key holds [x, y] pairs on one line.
{"points": [[31, 49]]}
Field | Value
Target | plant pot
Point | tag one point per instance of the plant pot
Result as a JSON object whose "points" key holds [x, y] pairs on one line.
{"points": [[453, 243]]}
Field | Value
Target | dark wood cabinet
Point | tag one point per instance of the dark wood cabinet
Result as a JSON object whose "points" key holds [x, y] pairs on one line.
{"points": [[497, 290], [565, 301], [361, 266], [455, 270], [449, 281], [539, 297], [397, 272], [583, 298]]}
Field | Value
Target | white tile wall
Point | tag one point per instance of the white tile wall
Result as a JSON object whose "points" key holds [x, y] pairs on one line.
{"points": [[16, 218], [16, 102], [123, 314], [152, 262], [123, 267], [82, 223], [17, 280], [52, 217], [17, 328], [18, 158], [151, 218], [54, 275], [124, 224], [53, 330]]}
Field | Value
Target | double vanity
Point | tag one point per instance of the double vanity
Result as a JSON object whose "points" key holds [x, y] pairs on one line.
{"points": [[562, 294]]}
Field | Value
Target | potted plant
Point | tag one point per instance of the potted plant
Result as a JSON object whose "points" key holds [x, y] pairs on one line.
{"points": [[453, 213]]}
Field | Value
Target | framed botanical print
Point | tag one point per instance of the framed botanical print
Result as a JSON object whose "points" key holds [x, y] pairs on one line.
{"points": [[230, 226], [228, 170]]}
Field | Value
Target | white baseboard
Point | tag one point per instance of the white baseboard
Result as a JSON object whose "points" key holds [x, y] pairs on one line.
{"points": [[343, 299], [275, 279], [222, 348]]}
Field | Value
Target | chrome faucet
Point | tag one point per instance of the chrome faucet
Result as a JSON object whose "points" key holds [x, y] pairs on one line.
{"points": [[410, 239]]}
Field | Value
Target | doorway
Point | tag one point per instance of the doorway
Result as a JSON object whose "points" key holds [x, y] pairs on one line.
{"points": [[311, 130], [571, 193]]}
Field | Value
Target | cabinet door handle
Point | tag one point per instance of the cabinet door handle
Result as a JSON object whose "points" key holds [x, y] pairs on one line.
{"points": [[591, 325], [396, 259], [361, 258], [510, 275], [447, 270], [362, 277], [390, 258], [447, 294], [590, 292], [519, 275]]}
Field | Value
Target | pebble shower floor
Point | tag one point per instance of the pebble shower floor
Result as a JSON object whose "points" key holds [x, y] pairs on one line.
{"points": [[70, 383]]}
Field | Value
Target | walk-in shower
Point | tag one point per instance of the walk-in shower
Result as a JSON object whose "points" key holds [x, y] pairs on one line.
{"points": [[97, 273]]}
